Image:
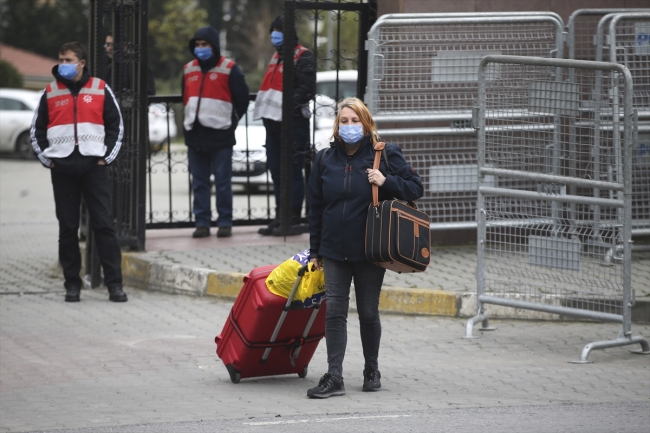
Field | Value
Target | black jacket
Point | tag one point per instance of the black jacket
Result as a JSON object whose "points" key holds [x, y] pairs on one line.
{"points": [[76, 162], [206, 139], [339, 194]]}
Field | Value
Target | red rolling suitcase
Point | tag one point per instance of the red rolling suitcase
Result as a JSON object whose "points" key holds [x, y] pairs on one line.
{"points": [[265, 334]]}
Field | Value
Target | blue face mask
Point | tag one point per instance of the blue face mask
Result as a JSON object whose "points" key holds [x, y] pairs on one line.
{"points": [[68, 70], [351, 133], [277, 38], [203, 53]]}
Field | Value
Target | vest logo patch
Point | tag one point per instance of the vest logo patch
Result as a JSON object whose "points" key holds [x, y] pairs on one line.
{"points": [[213, 76], [61, 103], [88, 99]]}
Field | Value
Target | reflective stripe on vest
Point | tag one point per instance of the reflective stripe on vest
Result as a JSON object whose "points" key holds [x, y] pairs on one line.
{"points": [[75, 120], [268, 103], [208, 93]]}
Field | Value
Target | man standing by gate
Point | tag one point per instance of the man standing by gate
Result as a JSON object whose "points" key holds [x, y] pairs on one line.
{"points": [[215, 95], [268, 107], [77, 131]]}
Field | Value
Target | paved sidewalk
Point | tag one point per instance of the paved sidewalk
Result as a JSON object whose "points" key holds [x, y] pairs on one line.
{"points": [[152, 360]]}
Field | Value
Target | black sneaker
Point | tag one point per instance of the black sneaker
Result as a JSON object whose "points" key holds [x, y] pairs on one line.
{"points": [[201, 232], [116, 294], [328, 386], [371, 380]]}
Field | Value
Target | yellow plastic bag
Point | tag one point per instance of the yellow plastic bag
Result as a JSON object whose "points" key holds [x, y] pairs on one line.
{"points": [[311, 289]]}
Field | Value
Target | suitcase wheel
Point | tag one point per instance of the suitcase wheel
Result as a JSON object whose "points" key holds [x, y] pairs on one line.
{"points": [[235, 375], [303, 374]]}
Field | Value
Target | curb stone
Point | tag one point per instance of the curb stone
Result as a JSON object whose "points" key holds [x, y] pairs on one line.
{"points": [[148, 275]]}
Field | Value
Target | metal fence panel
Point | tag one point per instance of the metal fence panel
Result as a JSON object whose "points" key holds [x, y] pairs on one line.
{"points": [[629, 41], [542, 244], [581, 29], [423, 67], [428, 66]]}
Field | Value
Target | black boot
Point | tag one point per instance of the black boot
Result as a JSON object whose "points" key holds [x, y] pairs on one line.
{"points": [[297, 227], [268, 230]]}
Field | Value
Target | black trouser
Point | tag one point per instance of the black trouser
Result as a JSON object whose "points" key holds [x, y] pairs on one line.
{"points": [[368, 279], [93, 183]]}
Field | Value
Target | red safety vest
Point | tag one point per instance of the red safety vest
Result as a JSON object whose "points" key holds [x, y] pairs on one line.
{"points": [[209, 94], [75, 120], [268, 103]]}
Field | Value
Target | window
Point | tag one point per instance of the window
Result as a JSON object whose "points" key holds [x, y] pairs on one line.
{"points": [[13, 105]]}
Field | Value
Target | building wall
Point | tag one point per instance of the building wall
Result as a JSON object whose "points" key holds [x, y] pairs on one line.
{"points": [[564, 8]]}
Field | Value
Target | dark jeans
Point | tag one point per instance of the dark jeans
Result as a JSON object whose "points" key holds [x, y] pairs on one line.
{"points": [[368, 279], [93, 184], [274, 159], [218, 163]]}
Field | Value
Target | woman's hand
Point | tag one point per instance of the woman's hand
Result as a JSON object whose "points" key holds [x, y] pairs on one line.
{"points": [[375, 176], [317, 264]]}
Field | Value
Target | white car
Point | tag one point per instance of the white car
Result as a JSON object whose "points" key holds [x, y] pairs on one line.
{"points": [[249, 154], [158, 133], [347, 84], [326, 98], [16, 113]]}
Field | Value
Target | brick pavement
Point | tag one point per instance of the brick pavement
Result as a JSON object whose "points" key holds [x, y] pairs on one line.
{"points": [[152, 360]]}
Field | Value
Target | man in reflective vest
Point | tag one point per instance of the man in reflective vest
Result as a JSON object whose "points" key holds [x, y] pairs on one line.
{"points": [[215, 95], [268, 107], [77, 132]]}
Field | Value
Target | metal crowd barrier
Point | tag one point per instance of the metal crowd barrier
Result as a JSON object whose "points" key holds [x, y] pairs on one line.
{"points": [[581, 31], [629, 42], [541, 246], [422, 68], [621, 36]]}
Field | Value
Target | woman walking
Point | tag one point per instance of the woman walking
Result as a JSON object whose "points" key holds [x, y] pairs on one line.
{"points": [[339, 192]]}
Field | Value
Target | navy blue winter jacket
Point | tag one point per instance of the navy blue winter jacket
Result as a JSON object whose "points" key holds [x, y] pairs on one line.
{"points": [[339, 194]]}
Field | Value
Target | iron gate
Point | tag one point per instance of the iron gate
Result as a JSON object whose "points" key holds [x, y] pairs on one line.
{"points": [[546, 221], [168, 174], [127, 21], [364, 13]]}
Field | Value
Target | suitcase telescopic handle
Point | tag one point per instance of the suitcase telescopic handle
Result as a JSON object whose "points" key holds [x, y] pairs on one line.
{"points": [[287, 306]]}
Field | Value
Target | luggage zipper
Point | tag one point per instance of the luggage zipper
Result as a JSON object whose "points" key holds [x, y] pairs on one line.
{"points": [[410, 217]]}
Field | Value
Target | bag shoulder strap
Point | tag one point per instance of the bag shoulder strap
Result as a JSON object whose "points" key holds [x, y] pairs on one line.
{"points": [[379, 150]]}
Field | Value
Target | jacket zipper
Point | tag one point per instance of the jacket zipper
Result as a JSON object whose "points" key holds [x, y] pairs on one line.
{"points": [[346, 185], [74, 111], [198, 104]]}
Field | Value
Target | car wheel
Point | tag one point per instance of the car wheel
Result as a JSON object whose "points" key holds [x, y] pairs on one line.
{"points": [[24, 146]]}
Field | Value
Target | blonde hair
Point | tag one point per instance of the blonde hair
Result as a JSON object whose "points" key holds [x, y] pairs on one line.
{"points": [[357, 105]]}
